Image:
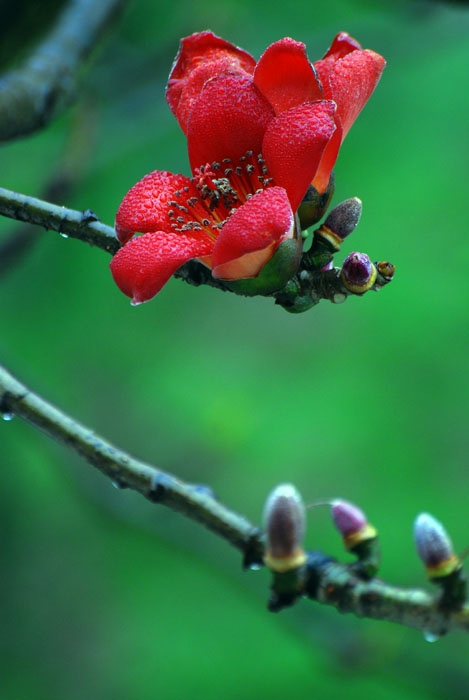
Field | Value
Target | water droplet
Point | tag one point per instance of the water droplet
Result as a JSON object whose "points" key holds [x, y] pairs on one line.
{"points": [[339, 298], [7, 416], [255, 566], [204, 490], [430, 636], [118, 484], [64, 235]]}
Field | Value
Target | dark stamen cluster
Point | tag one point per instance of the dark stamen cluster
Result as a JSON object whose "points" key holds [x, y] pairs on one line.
{"points": [[212, 198]]}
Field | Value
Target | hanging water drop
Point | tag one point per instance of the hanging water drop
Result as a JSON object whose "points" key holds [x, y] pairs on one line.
{"points": [[430, 636], [118, 484], [63, 235], [255, 566], [7, 416]]}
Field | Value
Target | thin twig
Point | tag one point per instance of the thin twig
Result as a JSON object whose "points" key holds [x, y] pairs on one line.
{"points": [[329, 582], [121, 468], [30, 96]]}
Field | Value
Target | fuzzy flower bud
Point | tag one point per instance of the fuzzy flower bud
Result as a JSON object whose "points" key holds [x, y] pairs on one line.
{"points": [[343, 219], [339, 223], [358, 273], [434, 546], [284, 524], [352, 524]]}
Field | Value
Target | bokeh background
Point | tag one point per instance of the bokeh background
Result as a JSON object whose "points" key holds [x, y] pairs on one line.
{"points": [[106, 596]]}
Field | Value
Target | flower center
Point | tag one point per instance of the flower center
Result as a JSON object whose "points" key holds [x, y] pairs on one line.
{"points": [[214, 192]]}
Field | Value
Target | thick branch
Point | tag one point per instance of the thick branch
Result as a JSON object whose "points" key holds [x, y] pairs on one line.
{"points": [[329, 582], [31, 95], [305, 290]]}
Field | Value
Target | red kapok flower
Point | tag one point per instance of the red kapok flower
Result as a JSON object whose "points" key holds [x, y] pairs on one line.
{"points": [[257, 135]]}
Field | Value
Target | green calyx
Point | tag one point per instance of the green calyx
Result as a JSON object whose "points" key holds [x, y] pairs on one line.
{"points": [[275, 273]]}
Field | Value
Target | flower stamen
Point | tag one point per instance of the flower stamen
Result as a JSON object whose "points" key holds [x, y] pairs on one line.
{"points": [[210, 199]]}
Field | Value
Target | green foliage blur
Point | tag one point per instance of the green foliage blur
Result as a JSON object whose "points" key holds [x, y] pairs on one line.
{"points": [[105, 596]]}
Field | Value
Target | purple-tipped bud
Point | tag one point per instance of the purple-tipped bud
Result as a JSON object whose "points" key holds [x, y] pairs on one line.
{"points": [[352, 524], [344, 218], [347, 518], [358, 272], [284, 525], [434, 546]]}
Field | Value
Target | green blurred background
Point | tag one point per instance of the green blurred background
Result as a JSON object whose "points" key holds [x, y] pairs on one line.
{"points": [[107, 596]]}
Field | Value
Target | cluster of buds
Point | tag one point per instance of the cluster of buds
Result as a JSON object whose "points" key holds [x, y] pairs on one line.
{"points": [[358, 274], [284, 526]]}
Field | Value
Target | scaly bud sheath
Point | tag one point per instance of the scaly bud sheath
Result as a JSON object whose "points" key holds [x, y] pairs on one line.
{"points": [[358, 273], [284, 524], [352, 524], [434, 547]]}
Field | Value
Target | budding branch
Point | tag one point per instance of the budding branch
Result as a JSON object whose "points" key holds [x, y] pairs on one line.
{"points": [[308, 287], [329, 582]]}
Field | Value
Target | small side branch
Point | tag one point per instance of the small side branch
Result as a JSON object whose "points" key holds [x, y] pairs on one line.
{"points": [[328, 582], [124, 470], [30, 96]]}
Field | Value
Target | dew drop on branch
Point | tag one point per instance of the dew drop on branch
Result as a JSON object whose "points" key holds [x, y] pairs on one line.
{"points": [[119, 484], [7, 416], [255, 566], [430, 636], [63, 235]]}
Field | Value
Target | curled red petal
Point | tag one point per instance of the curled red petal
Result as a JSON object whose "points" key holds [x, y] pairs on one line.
{"points": [[351, 82], [342, 45], [323, 173], [145, 207], [294, 144], [145, 264], [201, 56], [285, 77], [229, 117], [252, 234]]}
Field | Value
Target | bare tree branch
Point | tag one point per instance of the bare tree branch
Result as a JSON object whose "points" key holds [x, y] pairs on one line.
{"points": [[30, 96], [82, 225], [326, 581]]}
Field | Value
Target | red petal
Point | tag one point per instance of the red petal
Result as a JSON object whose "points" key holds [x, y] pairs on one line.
{"points": [[342, 45], [209, 52], [351, 82], [229, 118], [323, 173], [284, 75], [252, 234], [145, 207], [294, 144], [145, 264]]}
